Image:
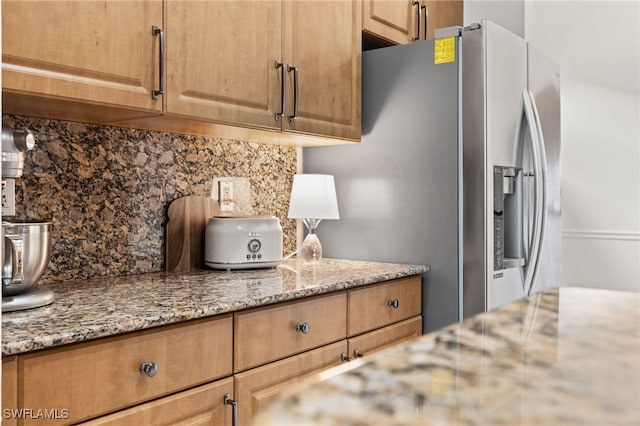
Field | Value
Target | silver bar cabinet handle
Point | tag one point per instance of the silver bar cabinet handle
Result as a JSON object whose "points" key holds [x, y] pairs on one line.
{"points": [[344, 357], [296, 93], [417, 37], [159, 31], [357, 354], [283, 92], [234, 405]]}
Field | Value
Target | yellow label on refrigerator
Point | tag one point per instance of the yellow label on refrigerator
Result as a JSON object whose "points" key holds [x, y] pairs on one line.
{"points": [[444, 50]]}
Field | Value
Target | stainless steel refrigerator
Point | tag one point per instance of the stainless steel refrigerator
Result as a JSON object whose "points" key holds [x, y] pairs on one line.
{"points": [[458, 169]]}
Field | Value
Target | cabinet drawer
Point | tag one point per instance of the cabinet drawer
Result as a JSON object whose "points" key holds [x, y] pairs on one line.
{"points": [[267, 334], [95, 378], [383, 304], [373, 341], [203, 405]]}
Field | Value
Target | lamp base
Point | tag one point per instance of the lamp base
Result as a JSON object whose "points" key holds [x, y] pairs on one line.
{"points": [[311, 250]]}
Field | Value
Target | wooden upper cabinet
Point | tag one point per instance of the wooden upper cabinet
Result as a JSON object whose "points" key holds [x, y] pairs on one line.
{"points": [[99, 53], [221, 60], [403, 21], [392, 20], [322, 40], [442, 14]]}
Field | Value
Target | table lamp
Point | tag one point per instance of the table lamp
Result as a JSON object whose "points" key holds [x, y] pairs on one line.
{"points": [[313, 198]]}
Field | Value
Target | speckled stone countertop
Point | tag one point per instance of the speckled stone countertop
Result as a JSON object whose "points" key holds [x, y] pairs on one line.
{"points": [[103, 307], [563, 357]]}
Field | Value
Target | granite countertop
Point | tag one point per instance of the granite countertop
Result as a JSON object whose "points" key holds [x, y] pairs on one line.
{"points": [[103, 307], [567, 356]]}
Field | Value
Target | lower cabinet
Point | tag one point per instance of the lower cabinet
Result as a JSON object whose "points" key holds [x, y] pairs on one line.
{"points": [[9, 390], [257, 387], [204, 405], [105, 375], [207, 371], [368, 343]]}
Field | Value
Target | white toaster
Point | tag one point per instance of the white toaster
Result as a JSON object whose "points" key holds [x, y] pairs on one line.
{"points": [[233, 242]]}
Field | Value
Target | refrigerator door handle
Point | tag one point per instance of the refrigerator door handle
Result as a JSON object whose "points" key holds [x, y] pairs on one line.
{"points": [[544, 185], [531, 247]]}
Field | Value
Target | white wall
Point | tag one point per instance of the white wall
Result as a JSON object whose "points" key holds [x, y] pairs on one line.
{"points": [[597, 44], [508, 14]]}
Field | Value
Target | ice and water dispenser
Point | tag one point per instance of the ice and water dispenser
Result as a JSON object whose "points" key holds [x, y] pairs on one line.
{"points": [[508, 218]]}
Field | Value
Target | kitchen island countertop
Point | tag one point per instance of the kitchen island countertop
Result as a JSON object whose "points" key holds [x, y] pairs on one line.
{"points": [[102, 307], [567, 356]]}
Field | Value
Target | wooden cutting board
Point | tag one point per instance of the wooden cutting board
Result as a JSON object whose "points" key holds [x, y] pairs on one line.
{"points": [[188, 218]]}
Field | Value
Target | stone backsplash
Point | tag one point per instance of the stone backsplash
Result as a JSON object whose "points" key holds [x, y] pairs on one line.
{"points": [[107, 189]]}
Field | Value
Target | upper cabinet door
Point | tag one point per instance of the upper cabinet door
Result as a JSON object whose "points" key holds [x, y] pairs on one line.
{"points": [[392, 20], [221, 59], [442, 14], [322, 40], [94, 52]]}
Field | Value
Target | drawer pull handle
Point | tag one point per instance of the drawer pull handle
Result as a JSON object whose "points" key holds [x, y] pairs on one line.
{"points": [[149, 369], [344, 357], [394, 303], [234, 405], [357, 354], [303, 328]]}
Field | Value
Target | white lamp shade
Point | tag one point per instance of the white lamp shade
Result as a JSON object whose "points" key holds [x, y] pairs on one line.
{"points": [[313, 197]]}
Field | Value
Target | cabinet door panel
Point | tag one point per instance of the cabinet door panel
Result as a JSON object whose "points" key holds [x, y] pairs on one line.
{"points": [[9, 388], [442, 14], [368, 343], [323, 40], [201, 406], [98, 52], [392, 20], [221, 60], [257, 387]]}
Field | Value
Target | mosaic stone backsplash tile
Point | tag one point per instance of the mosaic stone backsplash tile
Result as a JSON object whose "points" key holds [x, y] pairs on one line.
{"points": [[107, 189]]}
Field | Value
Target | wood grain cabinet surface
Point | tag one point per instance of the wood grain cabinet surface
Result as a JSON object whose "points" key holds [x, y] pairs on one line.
{"points": [[257, 387], [270, 333], [406, 21], [95, 378], [394, 21], [9, 390], [251, 356], [383, 304], [202, 406], [215, 61], [322, 40], [373, 341], [82, 60], [276, 65], [221, 61]]}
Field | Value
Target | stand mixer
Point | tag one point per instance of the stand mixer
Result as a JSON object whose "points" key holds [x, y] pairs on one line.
{"points": [[27, 244]]}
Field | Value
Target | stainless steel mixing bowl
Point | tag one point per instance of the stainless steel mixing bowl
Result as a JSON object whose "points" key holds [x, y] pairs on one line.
{"points": [[27, 246]]}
